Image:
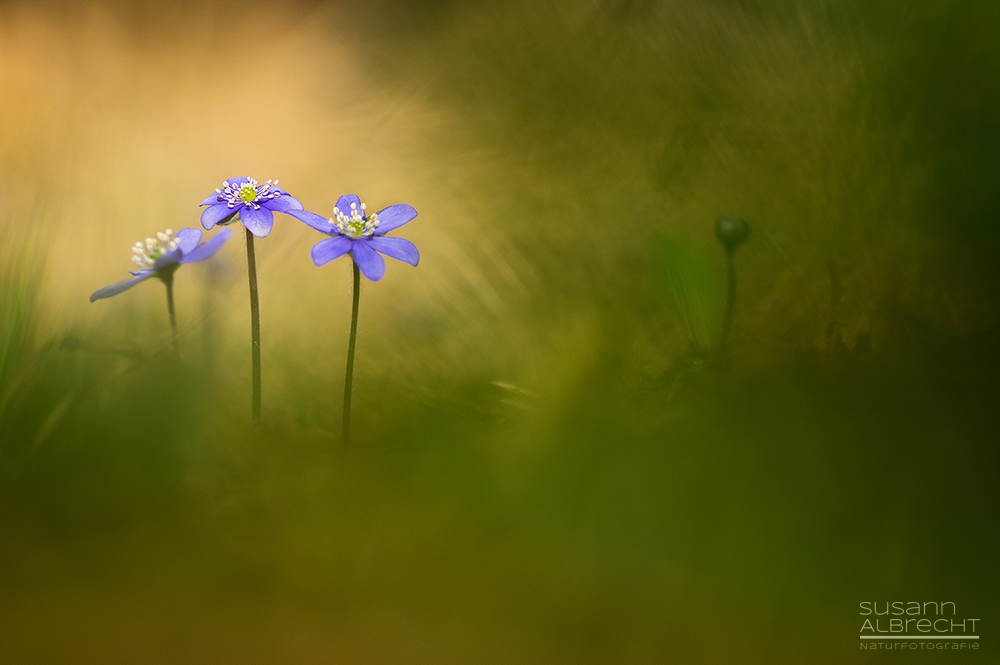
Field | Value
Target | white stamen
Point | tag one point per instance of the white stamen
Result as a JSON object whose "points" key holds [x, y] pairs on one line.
{"points": [[232, 195], [145, 256], [356, 224]]}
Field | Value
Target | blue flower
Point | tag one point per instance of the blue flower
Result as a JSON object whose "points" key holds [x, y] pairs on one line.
{"points": [[254, 203], [162, 255], [352, 230]]}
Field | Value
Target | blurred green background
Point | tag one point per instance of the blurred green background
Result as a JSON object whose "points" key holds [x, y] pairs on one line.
{"points": [[553, 459]]}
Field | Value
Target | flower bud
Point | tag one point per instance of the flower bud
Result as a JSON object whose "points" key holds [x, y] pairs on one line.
{"points": [[732, 232]]}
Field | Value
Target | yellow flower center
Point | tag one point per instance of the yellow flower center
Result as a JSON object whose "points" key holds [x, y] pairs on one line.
{"points": [[248, 193]]}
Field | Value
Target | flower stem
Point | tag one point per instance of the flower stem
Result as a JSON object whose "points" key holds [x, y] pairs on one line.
{"points": [[349, 378], [254, 332], [168, 280], [731, 299]]}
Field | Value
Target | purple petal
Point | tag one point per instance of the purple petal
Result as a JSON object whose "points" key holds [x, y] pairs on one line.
{"points": [[115, 289], [318, 222], [345, 201], [235, 183], [169, 259], [371, 264], [327, 250], [217, 213], [393, 217], [259, 222], [283, 203], [397, 248], [188, 239], [211, 200], [208, 249]]}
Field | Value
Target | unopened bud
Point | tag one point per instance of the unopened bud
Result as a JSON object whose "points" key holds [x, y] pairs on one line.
{"points": [[732, 232]]}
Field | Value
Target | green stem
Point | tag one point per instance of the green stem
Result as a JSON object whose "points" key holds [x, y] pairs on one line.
{"points": [[349, 378], [254, 332], [168, 280], [731, 299]]}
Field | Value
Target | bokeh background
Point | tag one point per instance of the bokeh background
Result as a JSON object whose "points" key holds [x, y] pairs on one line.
{"points": [[554, 459]]}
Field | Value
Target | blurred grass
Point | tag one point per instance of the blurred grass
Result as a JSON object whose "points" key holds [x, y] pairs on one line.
{"points": [[622, 499]]}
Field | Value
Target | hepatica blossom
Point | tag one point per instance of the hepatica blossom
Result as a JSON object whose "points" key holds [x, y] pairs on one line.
{"points": [[253, 202], [162, 255], [353, 230], [254, 205]]}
